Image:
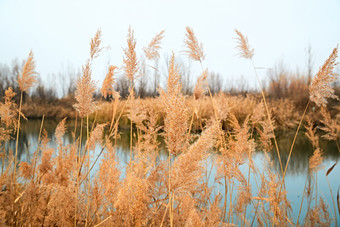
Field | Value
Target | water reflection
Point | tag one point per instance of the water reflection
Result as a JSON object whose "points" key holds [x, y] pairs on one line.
{"points": [[299, 162], [296, 173]]}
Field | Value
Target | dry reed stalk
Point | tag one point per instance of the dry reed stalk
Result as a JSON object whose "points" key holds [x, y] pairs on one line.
{"points": [[151, 51], [84, 96], [331, 193], [131, 68], [246, 52], [199, 91], [175, 123], [320, 89], [26, 80], [195, 52], [195, 49]]}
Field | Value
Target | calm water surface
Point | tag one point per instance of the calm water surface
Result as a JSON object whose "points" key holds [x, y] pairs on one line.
{"points": [[296, 174]]}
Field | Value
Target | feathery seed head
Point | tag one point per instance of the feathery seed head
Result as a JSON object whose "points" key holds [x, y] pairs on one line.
{"points": [[151, 51], [130, 59], [84, 92], [27, 78], [194, 48], [201, 85], [243, 46], [320, 88], [107, 88], [95, 43], [8, 111], [175, 123], [316, 160], [60, 131]]}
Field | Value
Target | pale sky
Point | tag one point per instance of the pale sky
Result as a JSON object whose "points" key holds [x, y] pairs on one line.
{"points": [[59, 32]]}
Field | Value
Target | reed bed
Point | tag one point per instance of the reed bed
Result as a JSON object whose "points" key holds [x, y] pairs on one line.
{"points": [[60, 186]]}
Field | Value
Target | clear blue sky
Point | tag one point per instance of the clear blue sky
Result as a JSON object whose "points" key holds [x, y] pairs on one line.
{"points": [[59, 32]]}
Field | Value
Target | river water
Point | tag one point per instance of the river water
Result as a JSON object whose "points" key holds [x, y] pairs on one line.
{"points": [[297, 171]]}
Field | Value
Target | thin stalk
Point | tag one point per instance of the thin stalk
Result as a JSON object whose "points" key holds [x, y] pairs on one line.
{"points": [[230, 214], [131, 104], [88, 166], [330, 190], [268, 115], [17, 140], [303, 195], [114, 130], [225, 199], [191, 121], [292, 146], [170, 197], [36, 155], [78, 163], [291, 149], [249, 157]]}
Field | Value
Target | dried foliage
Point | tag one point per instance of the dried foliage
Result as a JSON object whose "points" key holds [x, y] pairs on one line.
{"points": [[175, 122], [86, 87], [320, 89], [194, 180], [8, 110], [331, 126], [201, 85], [27, 78], [151, 51], [108, 83], [194, 48], [84, 92], [130, 58], [245, 50]]}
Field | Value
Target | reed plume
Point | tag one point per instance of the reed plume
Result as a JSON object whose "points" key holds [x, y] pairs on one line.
{"points": [[151, 51], [107, 87], [130, 58], [194, 48], [27, 78], [85, 89], [311, 133], [96, 136], [320, 89], [316, 160], [201, 85], [317, 157], [60, 131], [95, 45], [243, 46], [8, 109], [330, 126], [175, 123]]}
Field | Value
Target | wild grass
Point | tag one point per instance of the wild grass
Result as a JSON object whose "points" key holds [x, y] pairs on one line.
{"points": [[60, 186]]}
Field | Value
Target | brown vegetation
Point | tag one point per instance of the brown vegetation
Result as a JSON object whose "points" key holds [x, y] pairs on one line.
{"points": [[59, 187]]}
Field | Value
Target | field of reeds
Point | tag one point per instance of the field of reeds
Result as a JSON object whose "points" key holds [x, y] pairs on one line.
{"points": [[199, 182]]}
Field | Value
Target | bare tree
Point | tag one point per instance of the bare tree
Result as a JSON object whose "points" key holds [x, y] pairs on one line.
{"points": [[142, 85], [215, 82], [122, 86]]}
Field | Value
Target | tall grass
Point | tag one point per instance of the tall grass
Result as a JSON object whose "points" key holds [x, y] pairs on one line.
{"points": [[61, 188]]}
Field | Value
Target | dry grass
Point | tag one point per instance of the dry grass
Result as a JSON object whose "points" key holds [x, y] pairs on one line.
{"points": [[61, 188]]}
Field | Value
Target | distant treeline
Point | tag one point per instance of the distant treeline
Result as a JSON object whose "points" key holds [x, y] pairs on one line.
{"points": [[280, 83]]}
